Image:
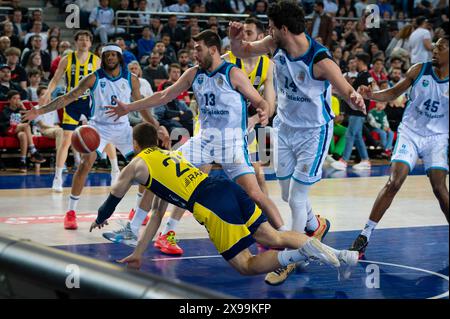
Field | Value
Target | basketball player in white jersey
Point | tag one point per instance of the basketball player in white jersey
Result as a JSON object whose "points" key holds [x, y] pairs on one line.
{"points": [[304, 71], [106, 85], [220, 89], [423, 133]]}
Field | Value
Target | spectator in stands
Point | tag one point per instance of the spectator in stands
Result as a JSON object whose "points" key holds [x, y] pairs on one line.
{"points": [[378, 120], [337, 57], [86, 7], [193, 23], [377, 72], [156, 27], [143, 18], [15, 5], [166, 59], [359, 32], [330, 7], [155, 73], [354, 134], [8, 31], [35, 62], [7, 85], [18, 73], [37, 30], [180, 6], [175, 32], [102, 21], [5, 43], [34, 78], [135, 117], [154, 5], [401, 40], [127, 55], [337, 147], [10, 125], [184, 60], [125, 19], [385, 6], [53, 47], [346, 9], [420, 42], [62, 47], [174, 75], [18, 25], [145, 44], [321, 24], [259, 8], [170, 50], [54, 31], [36, 15], [36, 47], [239, 6]]}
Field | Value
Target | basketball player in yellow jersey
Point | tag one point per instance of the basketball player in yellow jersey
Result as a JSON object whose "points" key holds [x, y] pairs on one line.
{"points": [[74, 67], [260, 72], [232, 219]]}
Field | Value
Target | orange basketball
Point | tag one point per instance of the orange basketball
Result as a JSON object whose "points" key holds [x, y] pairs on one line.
{"points": [[85, 139]]}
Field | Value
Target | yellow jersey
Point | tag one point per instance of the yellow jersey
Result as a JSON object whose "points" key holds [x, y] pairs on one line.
{"points": [[172, 177], [75, 71], [258, 75]]}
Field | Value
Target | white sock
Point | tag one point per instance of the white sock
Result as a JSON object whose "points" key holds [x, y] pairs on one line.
{"points": [[283, 228], [170, 225], [369, 228], [138, 201], [58, 172], [287, 257], [77, 158], [114, 165], [103, 156], [313, 223], [137, 220], [298, 197], [73, 202]]}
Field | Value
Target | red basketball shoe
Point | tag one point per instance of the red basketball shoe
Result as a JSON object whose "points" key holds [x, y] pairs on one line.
{"points": [[70, 220], [168, 244], [131, 215]]}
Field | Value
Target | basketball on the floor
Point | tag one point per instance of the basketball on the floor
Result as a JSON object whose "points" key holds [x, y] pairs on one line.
{"points": [[85, 139]]}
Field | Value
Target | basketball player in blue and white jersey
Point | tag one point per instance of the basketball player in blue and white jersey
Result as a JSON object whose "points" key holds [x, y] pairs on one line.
{"points": [[112, 81], [423, 133], [221, 90], [304, 71]]}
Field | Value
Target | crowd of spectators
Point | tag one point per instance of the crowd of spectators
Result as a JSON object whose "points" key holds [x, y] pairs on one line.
{"points": [[160, 48]]}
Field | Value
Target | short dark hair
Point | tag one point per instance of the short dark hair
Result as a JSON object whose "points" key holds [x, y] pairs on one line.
{"points": [[376, 59], [364, 57], [183, 51], [420, 20], [83, 32], [289, 14], [165, 35], [145, 135], [210, 38], [40, 89], [174, 66], [259, 25], [12, 93], [33, 72]]}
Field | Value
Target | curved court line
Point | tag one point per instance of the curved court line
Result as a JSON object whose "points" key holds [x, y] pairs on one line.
{"points": [[443, 295]]}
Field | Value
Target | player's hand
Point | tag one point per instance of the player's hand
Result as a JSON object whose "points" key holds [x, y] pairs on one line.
{"points": [[365, 91], [29, 115], [263, 117], [99, 226], [133, 261], [236, 31], [119, 110], [357, 101], [44, 99], [164, 137], [251, 123]]}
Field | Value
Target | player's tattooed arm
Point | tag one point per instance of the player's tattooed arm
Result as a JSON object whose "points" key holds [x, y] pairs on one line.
{"points": [[394, 92]]}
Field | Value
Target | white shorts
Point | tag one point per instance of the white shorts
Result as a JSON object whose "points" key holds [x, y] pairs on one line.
{"points": [[431, 149], [300, 153], [120, 135], [234, 158]]}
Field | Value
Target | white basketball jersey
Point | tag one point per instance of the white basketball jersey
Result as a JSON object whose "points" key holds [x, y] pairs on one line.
{"points": [[303, 101], [104, 91], [220, 106], [426, 112]]}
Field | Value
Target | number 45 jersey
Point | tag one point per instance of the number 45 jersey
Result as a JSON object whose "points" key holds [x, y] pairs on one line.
{"points": [[104, 91], [426, 112]]}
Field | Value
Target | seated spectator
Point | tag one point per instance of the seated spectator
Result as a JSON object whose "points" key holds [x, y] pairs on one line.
{"points": [[337, 57], [46, 123], [135, 117], [377, 72], [145, 44], [184, 60], [37, 30], [102, 21], [15, 5], [18, 24], [175, 32], [239, 6], [54, 64], [36, 47], [35, 62], [154, 6], [18, 73], [127, 20], [352, 71], [34, 77], [5, 44], [166, 59], [156, 27], [53, 47], [175, 115], [127, 55], [379, 123], [8, 31], [155, 72], [36, 15], [180, 6], [86, 7], [143, 19], [7, 85], [259, 7], [170, 50], [360, 7], [10, 125], [174, 75]]}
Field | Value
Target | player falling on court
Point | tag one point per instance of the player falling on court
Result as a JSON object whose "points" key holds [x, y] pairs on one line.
{"points": [[232, 219], [304, 70], [74, 67], [112, 81], [220, 89], [423, 133]]}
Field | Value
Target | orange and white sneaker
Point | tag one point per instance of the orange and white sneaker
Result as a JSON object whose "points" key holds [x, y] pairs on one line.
{"points": [[322, 230], [70, 220], [168, 244], [131, 215]]}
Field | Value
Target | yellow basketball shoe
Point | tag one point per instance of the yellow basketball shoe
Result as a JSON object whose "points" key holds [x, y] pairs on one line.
{"points": [[278, 276], [322, 230]]}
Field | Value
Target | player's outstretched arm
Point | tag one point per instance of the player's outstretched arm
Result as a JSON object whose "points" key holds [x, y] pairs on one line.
{"points": [[55, 79], [157, 99], [241, 83], [62, 101], [243, 49], [394, 92]]}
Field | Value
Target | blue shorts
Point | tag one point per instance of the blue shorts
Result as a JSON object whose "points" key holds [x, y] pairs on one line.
{"points": [[73, 113]]}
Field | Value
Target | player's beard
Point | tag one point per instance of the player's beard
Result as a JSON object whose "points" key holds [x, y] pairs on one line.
{"points": [[111, 68], [207, 62]]}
